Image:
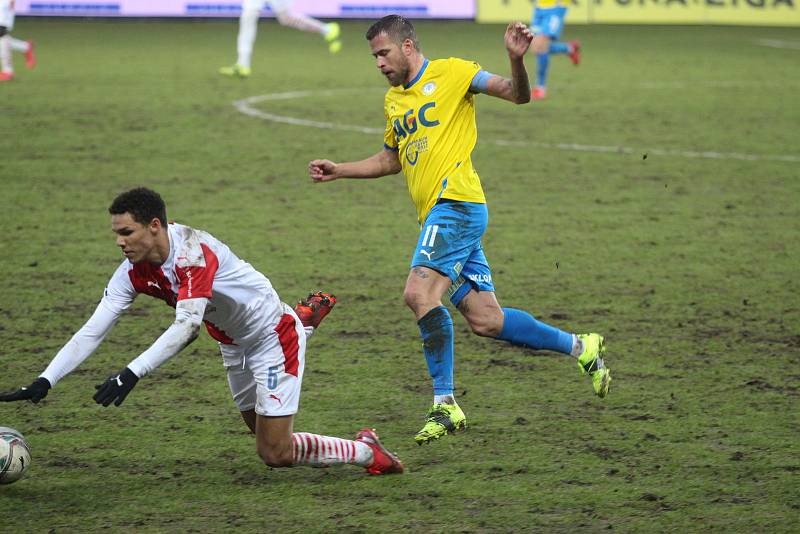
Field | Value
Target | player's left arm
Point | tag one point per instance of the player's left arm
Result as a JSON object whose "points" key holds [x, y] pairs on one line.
{"points": [[517, 89], [188, 318]]}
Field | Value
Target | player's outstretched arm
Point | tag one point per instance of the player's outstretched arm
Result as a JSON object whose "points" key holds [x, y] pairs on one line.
{"points": [[34, 393], [77, 349], [383, 163], [188, 318], [517, 89]]}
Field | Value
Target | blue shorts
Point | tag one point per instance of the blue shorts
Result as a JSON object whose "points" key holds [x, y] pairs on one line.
{"points": [[548, 21], [450, 243]]}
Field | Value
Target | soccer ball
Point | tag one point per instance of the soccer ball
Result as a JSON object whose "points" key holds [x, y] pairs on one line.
{"points": [[15, 455]]}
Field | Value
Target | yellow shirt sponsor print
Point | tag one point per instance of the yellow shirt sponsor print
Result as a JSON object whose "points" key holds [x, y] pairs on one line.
{"points": [[431, 124]]}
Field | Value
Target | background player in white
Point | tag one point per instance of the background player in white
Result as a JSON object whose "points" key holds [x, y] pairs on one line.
{"points": [[248, 25], [9, 44], [262, 340]]}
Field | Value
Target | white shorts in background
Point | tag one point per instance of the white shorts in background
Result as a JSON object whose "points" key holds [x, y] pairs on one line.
{"points": [[6, 15], [275, 5], [267, 376]]}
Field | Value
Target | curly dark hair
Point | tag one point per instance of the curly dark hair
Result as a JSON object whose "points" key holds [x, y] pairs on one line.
{"points": [[142, 203], [396, 27]]}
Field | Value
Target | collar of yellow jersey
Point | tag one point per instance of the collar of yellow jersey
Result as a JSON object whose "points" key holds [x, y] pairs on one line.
{"points": [[418, 76]]}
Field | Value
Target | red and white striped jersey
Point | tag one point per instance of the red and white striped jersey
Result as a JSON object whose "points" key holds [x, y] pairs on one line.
{"points": [[242, 303]]}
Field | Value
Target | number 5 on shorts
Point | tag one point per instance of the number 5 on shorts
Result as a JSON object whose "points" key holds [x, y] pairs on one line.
{"points": [[272, 377]]}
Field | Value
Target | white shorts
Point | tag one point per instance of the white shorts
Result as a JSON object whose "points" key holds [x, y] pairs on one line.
{"points": [[276, 5], [6, 15], [267, 375]]}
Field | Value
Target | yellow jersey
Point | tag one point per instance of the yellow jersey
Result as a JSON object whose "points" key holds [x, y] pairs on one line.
{"points": [[430, 122], [547, 4]]}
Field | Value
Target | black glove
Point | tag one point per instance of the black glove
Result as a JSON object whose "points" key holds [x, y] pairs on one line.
{"points": [[116, 387], [35, 392]]}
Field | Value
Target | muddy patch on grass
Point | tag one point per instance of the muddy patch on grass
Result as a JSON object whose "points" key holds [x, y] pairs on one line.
{"points": [[762, 385], [357, 334], [496, 362]]}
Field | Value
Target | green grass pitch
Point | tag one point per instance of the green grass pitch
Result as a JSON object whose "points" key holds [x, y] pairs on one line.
{"points": [[654, 197]]}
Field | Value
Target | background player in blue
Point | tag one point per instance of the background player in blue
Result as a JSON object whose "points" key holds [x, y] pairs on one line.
{"points": [[546, 26], [430, 133]]}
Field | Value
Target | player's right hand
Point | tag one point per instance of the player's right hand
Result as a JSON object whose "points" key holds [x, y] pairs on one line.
{"points": [[322, 170], [34, 393], [518, 39]]}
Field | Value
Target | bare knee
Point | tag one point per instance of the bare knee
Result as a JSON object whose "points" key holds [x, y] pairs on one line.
{"points": [[414, 299], [541, 45], [275, 457], [424, 290], [420, 299]]}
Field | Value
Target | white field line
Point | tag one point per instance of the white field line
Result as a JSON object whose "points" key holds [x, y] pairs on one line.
{"points": [[777, 43], [706, 154], [245, 106], [721, 84]]}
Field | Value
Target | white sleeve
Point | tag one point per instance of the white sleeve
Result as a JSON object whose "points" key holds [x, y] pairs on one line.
{"points": [[188, 318], [117, 298]]}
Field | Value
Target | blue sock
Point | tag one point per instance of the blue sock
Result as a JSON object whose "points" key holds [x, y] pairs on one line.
{"points": [[542, 64], [557, 47], [520, 328], [436, 329]]}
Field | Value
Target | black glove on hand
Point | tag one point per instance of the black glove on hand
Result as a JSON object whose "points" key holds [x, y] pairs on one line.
{"points": [[116, 387], [35, 392]]}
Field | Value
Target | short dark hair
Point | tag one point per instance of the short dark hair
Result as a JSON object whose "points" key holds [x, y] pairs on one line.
{"points": [[396, 27], [143, 204]]}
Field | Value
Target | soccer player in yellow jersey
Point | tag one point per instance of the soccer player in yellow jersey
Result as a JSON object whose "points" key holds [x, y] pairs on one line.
{"points": [[430, 134]]}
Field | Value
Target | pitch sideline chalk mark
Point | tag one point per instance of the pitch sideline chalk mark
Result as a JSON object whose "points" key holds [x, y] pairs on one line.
{"points": [[778, 43], [245, 106], [720, 84]]}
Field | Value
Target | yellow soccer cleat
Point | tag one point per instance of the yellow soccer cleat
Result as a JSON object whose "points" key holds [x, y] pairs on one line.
{"points": [[333, 32], [332, 35], [591, 361], [442, 419], [236, 71]]}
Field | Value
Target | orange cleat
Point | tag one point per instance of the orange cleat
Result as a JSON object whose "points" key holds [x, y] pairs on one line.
{"points": [[30, 57], [314, 308], [575, 52], [6, 76], [384, 462], [539, 93]]}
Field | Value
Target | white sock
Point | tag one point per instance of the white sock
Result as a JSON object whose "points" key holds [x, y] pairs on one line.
{"points": [[5, 54], [577, 346], [316, 450], [444, 399], [248, 26], [19, 45], [302, 22]]}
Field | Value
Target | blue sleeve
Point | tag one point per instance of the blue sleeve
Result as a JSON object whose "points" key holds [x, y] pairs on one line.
{"points": [[480, 82]]}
